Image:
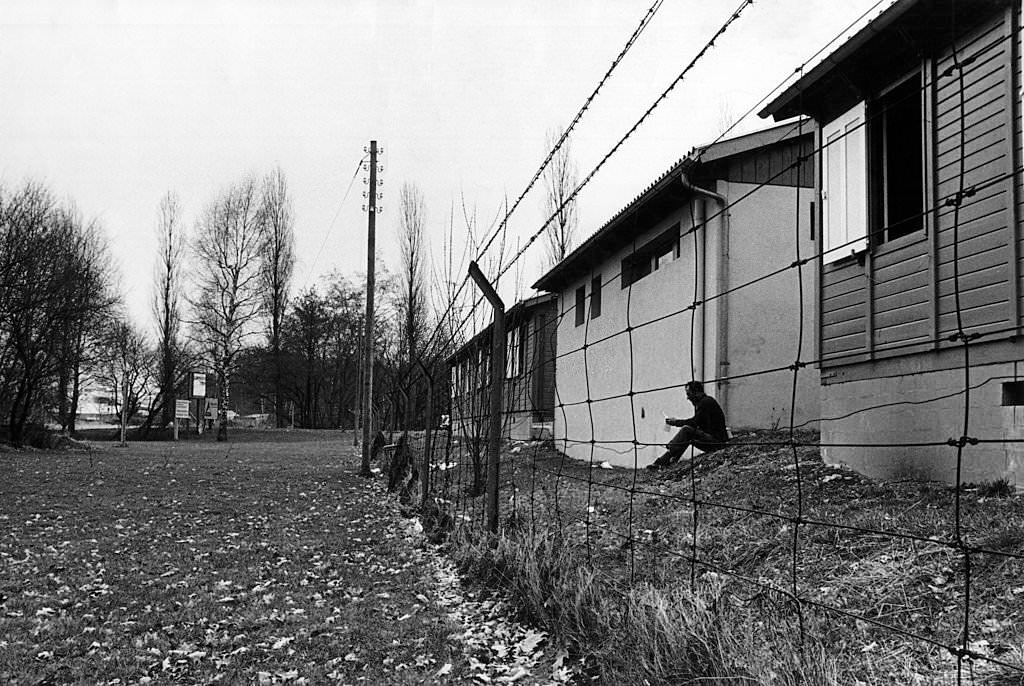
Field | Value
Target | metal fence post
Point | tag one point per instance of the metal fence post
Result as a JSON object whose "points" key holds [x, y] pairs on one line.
{"points": [[497, 377]]}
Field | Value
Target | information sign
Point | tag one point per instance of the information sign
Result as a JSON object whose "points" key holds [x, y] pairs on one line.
{"points": [[198, 384], [181, 409]]}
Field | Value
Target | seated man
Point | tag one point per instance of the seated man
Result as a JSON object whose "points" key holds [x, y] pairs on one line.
{"points": [[705, 430]]}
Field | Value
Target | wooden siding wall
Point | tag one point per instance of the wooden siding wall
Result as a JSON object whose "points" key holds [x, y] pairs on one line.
{"points": [[776, 164], [544, 332], [843, 313], [531, 391], [899, 298]]}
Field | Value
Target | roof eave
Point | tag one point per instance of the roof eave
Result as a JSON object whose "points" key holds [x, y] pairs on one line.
{"points": [[788, 103], [556, 276], [528, 304]]}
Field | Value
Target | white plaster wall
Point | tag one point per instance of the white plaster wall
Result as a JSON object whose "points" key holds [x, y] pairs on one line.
{"points": [[653, 356], [938, 415], [655, 360], [764, 319]]}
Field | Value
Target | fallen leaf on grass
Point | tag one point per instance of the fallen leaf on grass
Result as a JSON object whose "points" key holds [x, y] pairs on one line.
{"points": [[514, 676], [530, 643]]}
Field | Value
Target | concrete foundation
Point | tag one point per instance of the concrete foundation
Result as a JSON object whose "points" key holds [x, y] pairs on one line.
{"points": [[925, 407]]}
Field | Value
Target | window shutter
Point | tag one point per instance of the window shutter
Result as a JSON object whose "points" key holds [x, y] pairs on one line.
{"points": [[844, 195]]}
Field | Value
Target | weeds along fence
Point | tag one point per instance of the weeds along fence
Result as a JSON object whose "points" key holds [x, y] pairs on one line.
{"points": [[778, 565]]}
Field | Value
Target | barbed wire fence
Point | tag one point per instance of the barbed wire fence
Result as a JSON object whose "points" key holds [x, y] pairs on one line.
{"points": [[608, 513]]}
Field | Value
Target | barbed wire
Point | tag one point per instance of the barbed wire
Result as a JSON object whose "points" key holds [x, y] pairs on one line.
{"points": [[733, 17], [503, 224], [551, 477]]}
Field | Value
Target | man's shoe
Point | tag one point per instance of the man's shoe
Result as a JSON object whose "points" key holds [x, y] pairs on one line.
{"points": [[654, 466]]}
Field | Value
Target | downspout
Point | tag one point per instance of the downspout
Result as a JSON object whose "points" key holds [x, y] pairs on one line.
{"points": [[721, 301]]}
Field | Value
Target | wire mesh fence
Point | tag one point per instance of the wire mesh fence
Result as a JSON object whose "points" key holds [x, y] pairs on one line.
{"points": [[835, 575]]}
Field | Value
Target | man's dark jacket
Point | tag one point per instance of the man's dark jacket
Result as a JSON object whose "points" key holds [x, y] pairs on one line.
{"points": [[709, 418]]}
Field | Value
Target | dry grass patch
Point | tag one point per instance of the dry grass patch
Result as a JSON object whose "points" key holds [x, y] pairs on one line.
{"points": [[870, 561]]}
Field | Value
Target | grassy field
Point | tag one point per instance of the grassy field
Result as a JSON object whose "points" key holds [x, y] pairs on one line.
{"points": [[882, 593], [263, 560], [267, 560]]}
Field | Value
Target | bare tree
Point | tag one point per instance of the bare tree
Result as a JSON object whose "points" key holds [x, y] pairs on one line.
{"points": [[55, 280], [560, 180], [412, 299], [167, 301], [125, 369], [89, 300], [467, 316], [276, 271], [227, 246]]}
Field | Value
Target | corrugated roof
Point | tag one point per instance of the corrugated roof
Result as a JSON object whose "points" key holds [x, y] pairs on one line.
{"points": [[696, 156], [510, 313]]}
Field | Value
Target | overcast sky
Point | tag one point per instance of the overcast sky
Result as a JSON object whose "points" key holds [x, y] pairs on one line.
{"points": [[114, 103]]}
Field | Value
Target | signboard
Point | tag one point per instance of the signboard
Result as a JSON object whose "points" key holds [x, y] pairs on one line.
{"points": [[211, 408], [181, 408], [198, 384]]}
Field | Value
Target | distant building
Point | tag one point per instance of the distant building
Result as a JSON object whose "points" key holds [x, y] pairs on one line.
{"points": [[629, 335], [95, 405], [921, 103], [528, 378]]}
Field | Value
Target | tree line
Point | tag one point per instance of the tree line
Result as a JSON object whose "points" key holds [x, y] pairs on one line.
{"points": [[223, 302]]}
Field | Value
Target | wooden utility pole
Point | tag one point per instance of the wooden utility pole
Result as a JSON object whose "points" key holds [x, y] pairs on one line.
{"points": [[124, 406], [496, 390], [371, 260], [427, 443]]}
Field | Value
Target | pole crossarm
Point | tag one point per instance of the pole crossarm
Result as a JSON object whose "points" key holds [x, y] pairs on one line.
{"points": [[497, 376]]}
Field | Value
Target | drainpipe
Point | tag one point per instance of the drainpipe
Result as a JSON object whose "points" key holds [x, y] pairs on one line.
{"points": [[722, 301], [700, 263]]}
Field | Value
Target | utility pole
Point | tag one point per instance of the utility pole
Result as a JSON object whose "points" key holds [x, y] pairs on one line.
{"points": [[124, 406], [371, 263], [357, 418]]}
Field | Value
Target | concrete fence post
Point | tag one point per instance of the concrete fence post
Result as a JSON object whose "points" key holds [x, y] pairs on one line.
{"points": [[497, 377]]}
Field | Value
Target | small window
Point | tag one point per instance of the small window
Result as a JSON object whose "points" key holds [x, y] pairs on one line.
{"points": [[524, 339], [651, 257], [635, 268], [897, 162], [1013, 393], [512, 368], [485, 367], [581, 305], [667, 252], [595, 297]]}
